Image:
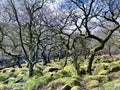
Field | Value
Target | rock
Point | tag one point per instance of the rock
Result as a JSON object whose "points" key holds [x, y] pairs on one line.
{"points": [[103, 72], [66, 87], [100, 78], [114, 67], [75, 82], [76, 77], [92, 84], [75, 88], [101, 69], [63, 73], [70, 69]]}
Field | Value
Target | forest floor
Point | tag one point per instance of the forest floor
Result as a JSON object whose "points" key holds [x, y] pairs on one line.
{"points": [[106, 76]]}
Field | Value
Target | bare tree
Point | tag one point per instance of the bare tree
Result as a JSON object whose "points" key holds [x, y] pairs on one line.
{"points": [[25, 15], [95, 15]]}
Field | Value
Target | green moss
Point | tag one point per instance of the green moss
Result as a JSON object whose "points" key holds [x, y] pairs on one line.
{"points": [[35, 81], [70, 69], [11, 80], [37, 72], [100, 78], [75, 88], [66, 87], [75, 82], [114, 67], [2, 78], [101, 69], [103, 72], [63, 73], [65, 80], [2, 86], [82, 70], [92, 84], [114, 75], [112, 86]]}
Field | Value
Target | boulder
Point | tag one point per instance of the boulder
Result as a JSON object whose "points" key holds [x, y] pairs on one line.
{"points": [[101, 69], [75, 88], [114, 67], [93, 83], [100, 78], [75, 82], [66, 87], [63, 73]]}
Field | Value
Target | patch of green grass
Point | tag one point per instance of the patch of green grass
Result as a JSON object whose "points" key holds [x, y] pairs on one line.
{"points": [[2, 78], [36, 81]]}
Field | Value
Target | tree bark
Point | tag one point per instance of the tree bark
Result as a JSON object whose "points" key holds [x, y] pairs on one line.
{"points": [[76, 64], [30, 69], [65, 60], [89, 68]]}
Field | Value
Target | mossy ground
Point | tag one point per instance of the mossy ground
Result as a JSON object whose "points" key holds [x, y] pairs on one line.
{"points": [[53, 76]]}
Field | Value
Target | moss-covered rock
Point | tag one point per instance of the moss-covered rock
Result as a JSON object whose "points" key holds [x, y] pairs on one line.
{"points": [[114, 67], [75, 82], [93, 83], [103, 72], [70, 69], [35, 81], [2, 78], [8, 70], [101, 69], [76, 77], [113, 85], [66, 87], [64, 81], [63, 73], [114, 75], [75, 88], [100, 78], [82, 70]]}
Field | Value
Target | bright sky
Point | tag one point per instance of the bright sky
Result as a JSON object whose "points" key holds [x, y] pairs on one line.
{"points": [[55, 4]]}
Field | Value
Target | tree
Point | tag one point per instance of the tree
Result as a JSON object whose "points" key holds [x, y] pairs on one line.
{"points": [[95, 14], [8, 45], [25, 16]]}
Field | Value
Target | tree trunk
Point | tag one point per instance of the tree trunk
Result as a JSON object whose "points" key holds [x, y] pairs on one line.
{"points": [[30, 63], [65, 60], [109, 48], [18, 62], [89, 68], [76, 64], [30, 69], [44, 58]]}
